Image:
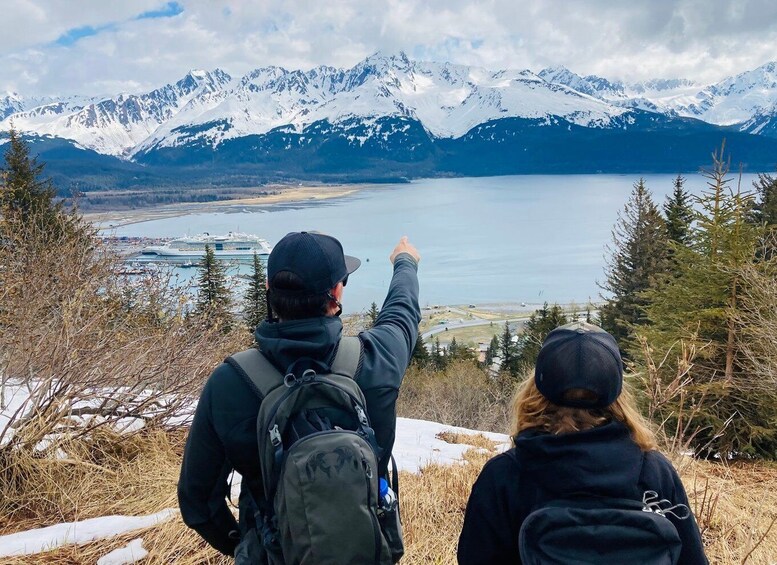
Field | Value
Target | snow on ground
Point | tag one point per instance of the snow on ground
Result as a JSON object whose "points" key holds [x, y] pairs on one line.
{"points": [[85, 531], [416, 445], [130, 553]]}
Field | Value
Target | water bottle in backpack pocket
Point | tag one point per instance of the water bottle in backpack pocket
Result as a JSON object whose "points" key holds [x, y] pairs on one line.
{"points": [[388, 515], [319, 465]]}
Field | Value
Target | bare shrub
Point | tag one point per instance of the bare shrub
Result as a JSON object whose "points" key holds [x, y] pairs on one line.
{"points": [[758, 319], [460, 395], [85, 353]]}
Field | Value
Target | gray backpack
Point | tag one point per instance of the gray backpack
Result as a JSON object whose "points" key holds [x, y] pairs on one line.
{"points": [[319, 464]]}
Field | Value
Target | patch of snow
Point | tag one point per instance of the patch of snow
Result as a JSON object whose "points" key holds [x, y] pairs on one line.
{"points": [[130, 553], [417, 444], [85, 531]]}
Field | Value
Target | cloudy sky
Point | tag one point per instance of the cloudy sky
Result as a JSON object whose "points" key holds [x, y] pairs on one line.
{"points": [[100, 46]]}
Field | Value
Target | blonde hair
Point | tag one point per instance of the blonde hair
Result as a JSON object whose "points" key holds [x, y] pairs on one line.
{"points": [[532, 410]]}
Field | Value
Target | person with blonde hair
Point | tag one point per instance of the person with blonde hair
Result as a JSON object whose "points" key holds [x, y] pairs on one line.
{"points": [[584, 481]]}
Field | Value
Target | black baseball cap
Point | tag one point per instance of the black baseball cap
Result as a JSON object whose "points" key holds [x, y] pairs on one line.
{"points": [[316, 259], [579, 356]]}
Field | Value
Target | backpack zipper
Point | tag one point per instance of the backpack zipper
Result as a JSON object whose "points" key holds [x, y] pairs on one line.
{"points": [[360, 412], [373, 517]]}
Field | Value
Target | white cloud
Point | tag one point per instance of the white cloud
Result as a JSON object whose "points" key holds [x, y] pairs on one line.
{"points": [[705, 40]]}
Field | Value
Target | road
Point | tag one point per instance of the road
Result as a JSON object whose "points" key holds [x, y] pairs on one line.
{"points": [[521, 322]]}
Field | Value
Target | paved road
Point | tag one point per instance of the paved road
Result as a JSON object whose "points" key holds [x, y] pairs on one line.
{"points": [[520, 322]]}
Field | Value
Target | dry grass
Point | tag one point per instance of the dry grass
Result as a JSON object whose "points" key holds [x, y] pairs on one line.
{"points": [[101, 475], [461, 395], [475, 440], [735, 505]]}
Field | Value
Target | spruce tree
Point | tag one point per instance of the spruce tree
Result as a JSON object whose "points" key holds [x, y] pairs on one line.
{"points": [[420, 355], [27, 198], [679, 213], [256, 295], [213, 297], [453, 348], [492, 352], [460, 352], [372, 315], [508, 352], [637, 260], [765, 214], [439, 355], [698, 309], [765, 208], [539, 325]]}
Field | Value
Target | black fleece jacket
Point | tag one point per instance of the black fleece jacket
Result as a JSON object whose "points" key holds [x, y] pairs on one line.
{"points": [[223, 432], [603, 461]]}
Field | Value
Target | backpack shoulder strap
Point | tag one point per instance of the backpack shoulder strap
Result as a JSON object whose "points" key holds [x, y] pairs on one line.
{"points": [[263, 377], [257, 370], [348, 357]]}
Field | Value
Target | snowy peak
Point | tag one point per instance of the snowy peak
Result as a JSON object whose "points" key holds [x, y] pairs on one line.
{"points": [[207, 108], [206, 80], [115, 125], [591, 85], [10, 103]]}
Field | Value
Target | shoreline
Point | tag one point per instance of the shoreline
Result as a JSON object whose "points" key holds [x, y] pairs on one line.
{"points": [[286, 195]]}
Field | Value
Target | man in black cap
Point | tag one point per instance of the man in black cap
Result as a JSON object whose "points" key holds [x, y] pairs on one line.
{"points": [[307, 273]]}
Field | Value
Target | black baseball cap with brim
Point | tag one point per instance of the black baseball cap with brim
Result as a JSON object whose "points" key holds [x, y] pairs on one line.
{"points": [[316, 259], [579, 356]]}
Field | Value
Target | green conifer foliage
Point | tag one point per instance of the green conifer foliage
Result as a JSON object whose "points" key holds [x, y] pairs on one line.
{"points": [[372, 315], [213, 297], [539, 325], [765, 214], [439, 355], [679, 213], [637, 260], [765, 208], [508, 351], [420, 355], [27, 198], [256, 295], [492, 352], [699, 308]]}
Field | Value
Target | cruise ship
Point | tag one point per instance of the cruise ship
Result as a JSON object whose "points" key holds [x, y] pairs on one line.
{"points": [[233, 246]]}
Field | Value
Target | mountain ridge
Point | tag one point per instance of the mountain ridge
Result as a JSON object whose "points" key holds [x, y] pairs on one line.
{"points": [[389, 114]]}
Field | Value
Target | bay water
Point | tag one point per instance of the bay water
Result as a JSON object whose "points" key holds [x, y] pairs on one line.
{"points": [[491, 240]]}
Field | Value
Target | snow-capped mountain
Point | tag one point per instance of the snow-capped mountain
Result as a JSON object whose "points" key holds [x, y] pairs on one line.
{"points": [[391, 109], [114, 126], [10, 103], [742, 100], [448, 100]]}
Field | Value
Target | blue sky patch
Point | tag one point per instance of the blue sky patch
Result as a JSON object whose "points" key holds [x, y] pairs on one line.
{"points": [[72, 35], [168, 11]]}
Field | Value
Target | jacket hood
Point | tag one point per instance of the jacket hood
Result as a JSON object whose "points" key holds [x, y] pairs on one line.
{"points": [[603, 460], [286, 342]]}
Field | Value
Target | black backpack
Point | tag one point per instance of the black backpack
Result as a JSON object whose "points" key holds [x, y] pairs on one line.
{"points": [[319, 463], [602, 531]]}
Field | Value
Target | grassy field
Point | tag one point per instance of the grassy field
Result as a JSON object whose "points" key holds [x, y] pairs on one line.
{"points": [[736, 506]]}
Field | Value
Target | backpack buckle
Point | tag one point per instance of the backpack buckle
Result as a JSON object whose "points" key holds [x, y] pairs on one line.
{"points": [[308, 375], [291, 380], [661, 506], [362, 416], [275, 436]]}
